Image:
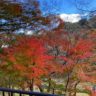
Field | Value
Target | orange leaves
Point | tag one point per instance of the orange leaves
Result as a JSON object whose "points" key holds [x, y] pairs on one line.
{"points": [[33, 46], [86, 55], [83, 46], [86, 72], [55, 53], [19, 67], [28, 57], [83, 49], [74, 47], [82, 74]]}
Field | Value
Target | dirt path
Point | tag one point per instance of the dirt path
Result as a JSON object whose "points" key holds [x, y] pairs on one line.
{"points": [[82, 94]]}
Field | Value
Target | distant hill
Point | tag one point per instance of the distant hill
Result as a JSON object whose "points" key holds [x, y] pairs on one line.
{"points": [[75, 22]]}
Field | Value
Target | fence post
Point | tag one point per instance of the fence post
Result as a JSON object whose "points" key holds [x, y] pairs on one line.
{"points": [[3, 93], [20, 94], [11, 93]]}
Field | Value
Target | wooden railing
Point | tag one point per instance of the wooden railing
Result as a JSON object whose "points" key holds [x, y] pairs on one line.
{"points": [[12, 92]]}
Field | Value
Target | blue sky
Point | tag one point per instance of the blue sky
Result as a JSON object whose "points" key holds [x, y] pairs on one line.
{"points": [[61, 6], [65, 6]]}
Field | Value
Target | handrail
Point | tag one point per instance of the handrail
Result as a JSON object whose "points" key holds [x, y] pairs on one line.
{"points": [[24, 92]]}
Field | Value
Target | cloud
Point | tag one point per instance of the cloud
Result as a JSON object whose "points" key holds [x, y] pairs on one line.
{"points": [[70, 17]]}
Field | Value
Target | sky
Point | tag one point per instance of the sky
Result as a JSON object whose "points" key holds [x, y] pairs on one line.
{"points": [[66, 9], [60, 6], [66, 6]]}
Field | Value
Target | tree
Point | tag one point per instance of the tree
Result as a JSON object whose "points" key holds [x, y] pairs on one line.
{"points": [[70, 50], [82, 52], [15, 15], [27, 16], [28, 59]]}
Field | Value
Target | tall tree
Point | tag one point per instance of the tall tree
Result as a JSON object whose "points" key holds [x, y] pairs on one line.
{"points": [[16, 15], [28, 59]]}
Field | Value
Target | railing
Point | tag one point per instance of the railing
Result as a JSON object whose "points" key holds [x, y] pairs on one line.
{"points": [[20, 92]]}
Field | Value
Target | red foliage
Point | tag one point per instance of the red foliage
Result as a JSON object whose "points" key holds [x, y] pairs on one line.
{"points": [[28, 56]]}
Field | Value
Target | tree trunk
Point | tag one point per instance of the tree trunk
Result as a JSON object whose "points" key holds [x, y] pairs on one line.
{"points": [[75, 87], [53, 91], [66, 86], [3, 93], [31, 86], [9, 85], [40, 88], [49, 84]]}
